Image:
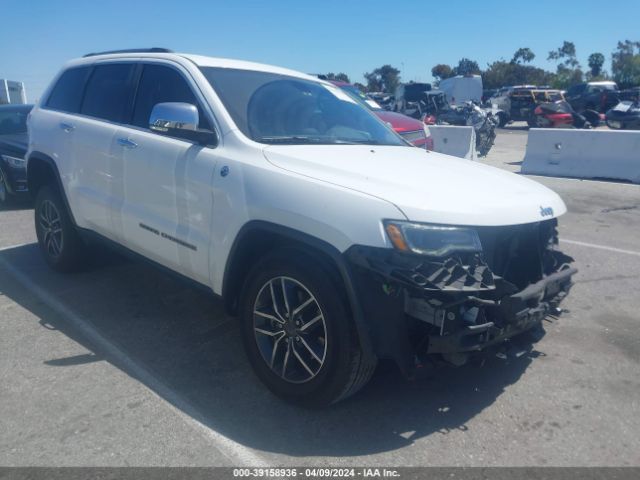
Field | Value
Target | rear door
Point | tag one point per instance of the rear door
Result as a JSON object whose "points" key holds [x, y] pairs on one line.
{"points": [[53, 126], [164, 208], [107, 103]]}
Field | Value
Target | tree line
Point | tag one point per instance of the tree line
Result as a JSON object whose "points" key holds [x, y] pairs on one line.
{"points": [[625, 70]]}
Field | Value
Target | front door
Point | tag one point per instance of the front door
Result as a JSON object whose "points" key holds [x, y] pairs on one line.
{"points": [[164, 208]]}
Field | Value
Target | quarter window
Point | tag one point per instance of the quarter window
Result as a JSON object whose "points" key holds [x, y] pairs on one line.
{"points": [[67, 93], [161, 84], [109, 92]]}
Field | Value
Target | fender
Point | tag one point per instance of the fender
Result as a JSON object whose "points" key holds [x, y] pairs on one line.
{"points": [[35, 155], [316, 244]]}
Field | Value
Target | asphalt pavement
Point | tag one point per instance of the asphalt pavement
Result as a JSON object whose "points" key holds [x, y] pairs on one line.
{"points": [[122, 365]]}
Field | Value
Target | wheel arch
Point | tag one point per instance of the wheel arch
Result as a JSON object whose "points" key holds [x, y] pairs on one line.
{"points": [[42, 170], [257, 238]]}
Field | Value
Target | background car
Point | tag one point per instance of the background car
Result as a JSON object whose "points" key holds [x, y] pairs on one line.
{"points": [[519, 104], [13, 146], [412, 130], [598, 96], [624, 116]]}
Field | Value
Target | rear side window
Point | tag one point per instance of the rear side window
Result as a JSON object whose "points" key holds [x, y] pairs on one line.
{"points": [[161, 84], [67, 92], [109, 92]]}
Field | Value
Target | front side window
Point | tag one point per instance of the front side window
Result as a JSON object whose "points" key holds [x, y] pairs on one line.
{"points": [[67, 92], [161, 84], [109, 92], [13, 120], [278, 109]]}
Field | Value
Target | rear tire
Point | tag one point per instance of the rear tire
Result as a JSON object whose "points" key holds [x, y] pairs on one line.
{"points": [[61, 246], [302, 344], [502, 120]]}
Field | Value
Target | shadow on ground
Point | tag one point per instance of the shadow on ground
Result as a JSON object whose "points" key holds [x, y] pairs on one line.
{"points": [[184, 338], [16, 204]]}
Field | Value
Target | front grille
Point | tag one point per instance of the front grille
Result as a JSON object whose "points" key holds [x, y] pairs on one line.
{"points": [[515, 252]]}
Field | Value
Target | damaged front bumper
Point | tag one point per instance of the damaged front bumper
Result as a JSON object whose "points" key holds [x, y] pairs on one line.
{"points": [[418, 307], [522, 311]]}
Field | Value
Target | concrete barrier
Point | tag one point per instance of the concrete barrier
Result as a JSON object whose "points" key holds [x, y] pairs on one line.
{"points": [[583, 154], [452, 140]]}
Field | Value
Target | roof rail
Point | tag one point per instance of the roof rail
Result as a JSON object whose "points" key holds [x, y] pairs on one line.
{"points": [[131, 50]]}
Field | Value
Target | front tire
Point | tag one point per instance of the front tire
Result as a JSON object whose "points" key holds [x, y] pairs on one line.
{"points": [[297, 332], [61, 246], [4, 190]]}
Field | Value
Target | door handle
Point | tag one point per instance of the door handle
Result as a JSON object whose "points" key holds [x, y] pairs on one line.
{"points": [[67, 127], [126, 143]]}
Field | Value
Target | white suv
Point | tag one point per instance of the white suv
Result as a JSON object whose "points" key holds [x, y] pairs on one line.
{"points": [[334, 241]]}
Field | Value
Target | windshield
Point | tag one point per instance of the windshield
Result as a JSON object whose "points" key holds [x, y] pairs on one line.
{"points": [[13, 120], [357, 94], [278, 109]]}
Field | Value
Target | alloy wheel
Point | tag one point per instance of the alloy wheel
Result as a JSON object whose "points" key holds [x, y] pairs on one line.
{"points": [[51, 226], [290, 330]]}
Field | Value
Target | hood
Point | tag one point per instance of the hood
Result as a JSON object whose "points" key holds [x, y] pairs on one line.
{"points": [[426, 186], [399, 122]]}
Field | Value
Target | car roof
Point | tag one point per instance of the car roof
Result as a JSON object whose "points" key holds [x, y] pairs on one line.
{"points": [[199, 60], [603, 82]]}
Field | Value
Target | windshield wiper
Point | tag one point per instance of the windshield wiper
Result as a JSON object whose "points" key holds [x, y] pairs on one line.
{"points": [[355, 141], [287, 139], [299, 139]]}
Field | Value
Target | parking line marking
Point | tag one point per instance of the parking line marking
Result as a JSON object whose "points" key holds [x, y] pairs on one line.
{"points": [[239, 454], [601, 247]]}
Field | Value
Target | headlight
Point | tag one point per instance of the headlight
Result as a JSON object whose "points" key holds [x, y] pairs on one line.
{"points": [[14, 161], [432, 240]]}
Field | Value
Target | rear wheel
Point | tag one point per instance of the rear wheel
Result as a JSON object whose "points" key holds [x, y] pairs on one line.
{"points": [[62, 247], [502, 120], [298, 334]]}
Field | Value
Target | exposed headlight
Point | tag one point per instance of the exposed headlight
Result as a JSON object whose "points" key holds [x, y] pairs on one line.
{"points": [[432, 240], [14, 161]]}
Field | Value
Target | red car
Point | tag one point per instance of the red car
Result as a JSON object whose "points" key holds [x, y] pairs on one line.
{"points": [[412, 130]]}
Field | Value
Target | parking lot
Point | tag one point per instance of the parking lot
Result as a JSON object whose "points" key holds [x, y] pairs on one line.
{"points": [[122, 365]]}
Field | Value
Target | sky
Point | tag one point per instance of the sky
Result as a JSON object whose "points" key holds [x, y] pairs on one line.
{"points": [[37, 36]]}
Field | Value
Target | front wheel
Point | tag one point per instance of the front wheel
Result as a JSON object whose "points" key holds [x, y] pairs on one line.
{"points": [[62, 247], [4, 190], [297, 332]]}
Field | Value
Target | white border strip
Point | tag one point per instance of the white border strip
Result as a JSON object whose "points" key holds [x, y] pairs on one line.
{"points": [[600, 247], [237, 453]]}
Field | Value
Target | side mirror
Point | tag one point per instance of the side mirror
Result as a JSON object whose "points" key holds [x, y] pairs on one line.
{"points": [[176, 119]]}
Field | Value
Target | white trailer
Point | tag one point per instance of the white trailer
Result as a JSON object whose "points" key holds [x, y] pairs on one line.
{"points": [[460, 89], [12, 92]]}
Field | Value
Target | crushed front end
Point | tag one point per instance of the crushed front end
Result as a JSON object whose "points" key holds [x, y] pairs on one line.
{"points": [[418, 306]]}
